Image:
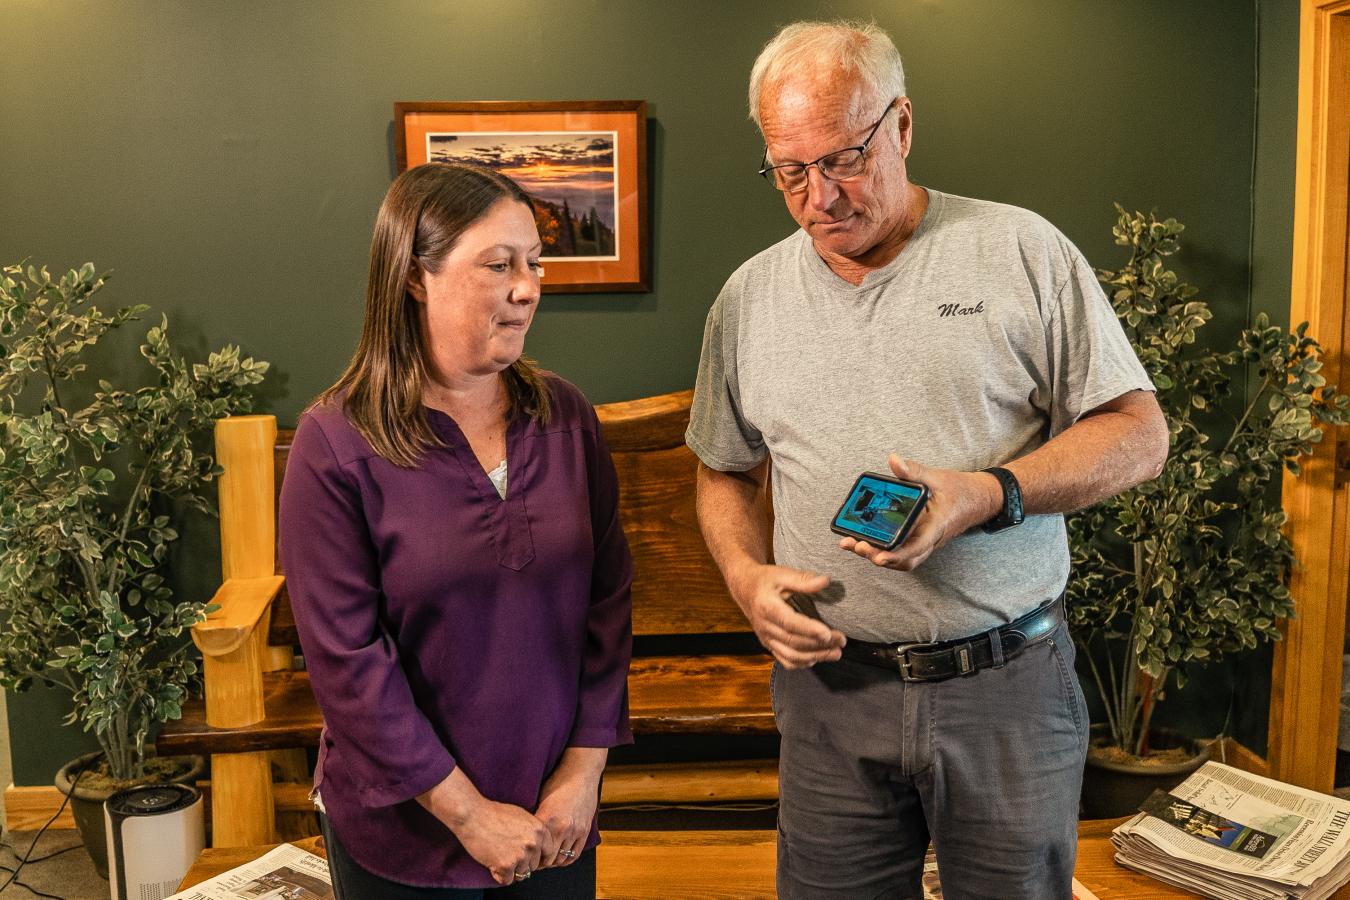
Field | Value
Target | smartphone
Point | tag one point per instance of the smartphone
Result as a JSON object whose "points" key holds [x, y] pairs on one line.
{"points": [[880, 510]]}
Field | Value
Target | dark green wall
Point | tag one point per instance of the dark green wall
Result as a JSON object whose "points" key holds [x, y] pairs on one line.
{"points": [[1272, 220], [227, 159], [1236, 696]]}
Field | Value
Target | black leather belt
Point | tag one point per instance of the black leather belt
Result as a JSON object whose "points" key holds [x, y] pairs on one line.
{"points": [[948, 659]]}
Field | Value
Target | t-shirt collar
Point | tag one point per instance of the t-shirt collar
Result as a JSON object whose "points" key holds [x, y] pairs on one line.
{"points": [[876, 277]]}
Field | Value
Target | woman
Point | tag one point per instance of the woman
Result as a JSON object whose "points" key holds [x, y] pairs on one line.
{"points": [[450, 536]]}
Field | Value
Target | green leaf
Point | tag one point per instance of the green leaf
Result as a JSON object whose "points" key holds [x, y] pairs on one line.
{"points": [[1192, 566], [81, 556]]}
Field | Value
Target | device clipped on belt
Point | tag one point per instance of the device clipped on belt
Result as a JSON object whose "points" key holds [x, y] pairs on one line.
{"points": [[880, 510]]}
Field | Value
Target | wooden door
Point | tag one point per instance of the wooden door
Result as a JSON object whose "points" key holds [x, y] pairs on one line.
{"points": [[1306, 681]]}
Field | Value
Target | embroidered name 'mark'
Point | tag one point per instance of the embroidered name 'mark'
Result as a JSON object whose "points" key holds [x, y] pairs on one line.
{"points": [[956, 309]]}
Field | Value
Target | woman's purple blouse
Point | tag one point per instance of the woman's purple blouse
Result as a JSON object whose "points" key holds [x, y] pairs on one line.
{"points": [[443, 626]]}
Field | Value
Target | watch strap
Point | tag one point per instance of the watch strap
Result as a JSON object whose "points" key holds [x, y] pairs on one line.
{"points": [[1012, 513]]}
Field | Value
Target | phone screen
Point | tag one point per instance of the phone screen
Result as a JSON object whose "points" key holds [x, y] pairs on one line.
{"points": [[878, 509]]}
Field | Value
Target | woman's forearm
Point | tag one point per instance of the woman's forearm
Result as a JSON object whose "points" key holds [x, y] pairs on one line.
{"points": [[453, 800], [582, 763]]}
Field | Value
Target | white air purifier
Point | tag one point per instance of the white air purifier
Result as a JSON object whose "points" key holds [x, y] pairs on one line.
{"points": [[155, 833]]}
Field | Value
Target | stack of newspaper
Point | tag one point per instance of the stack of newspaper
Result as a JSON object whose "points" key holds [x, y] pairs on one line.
{"points": [[1226, 834], [287, 873]]}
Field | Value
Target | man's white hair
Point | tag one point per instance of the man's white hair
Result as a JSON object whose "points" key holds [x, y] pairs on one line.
{"points": [[862, 49]]}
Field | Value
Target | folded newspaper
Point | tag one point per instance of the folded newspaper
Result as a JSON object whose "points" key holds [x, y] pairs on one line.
{"points": [[1224, 833], [286, 873]]}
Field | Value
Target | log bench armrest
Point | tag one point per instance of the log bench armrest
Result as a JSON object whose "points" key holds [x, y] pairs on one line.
{"points": [[245, 605]]}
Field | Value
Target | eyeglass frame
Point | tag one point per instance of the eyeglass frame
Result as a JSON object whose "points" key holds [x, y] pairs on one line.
{"points": [[861, 148]]}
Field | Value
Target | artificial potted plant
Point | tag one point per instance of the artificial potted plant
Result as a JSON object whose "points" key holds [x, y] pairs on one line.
{"points": [[88, 489], [1182, 570]]}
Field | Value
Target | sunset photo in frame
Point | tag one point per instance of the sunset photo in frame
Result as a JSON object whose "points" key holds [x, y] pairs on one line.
{"points": [[584, 163]]}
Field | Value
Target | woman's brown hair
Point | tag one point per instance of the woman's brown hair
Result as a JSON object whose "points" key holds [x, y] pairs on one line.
{"points": [[424, 214]]}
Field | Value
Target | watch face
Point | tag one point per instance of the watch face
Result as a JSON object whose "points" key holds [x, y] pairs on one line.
{"points": [[1012, 502]]}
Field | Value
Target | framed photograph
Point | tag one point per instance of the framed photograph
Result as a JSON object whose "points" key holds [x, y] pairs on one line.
{"points": [[583, 162]]}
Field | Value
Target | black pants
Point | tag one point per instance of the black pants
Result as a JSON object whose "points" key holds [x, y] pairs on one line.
{"points": [[352, 882]]}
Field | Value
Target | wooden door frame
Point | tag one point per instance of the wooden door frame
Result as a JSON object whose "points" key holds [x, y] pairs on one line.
{"points": [[1306, 677]]}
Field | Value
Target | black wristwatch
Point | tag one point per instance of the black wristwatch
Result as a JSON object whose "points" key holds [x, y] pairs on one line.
{"points": [[1011, 514]]}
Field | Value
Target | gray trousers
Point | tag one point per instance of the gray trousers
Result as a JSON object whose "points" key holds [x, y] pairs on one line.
{"points": [[988, 767]]}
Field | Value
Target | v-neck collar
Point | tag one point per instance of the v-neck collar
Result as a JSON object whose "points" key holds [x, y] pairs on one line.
{"points": [[506, 518], [449, 429]]}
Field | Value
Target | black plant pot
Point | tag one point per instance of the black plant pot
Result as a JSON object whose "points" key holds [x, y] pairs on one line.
{"points": [[1114, 788], [86, 804]]}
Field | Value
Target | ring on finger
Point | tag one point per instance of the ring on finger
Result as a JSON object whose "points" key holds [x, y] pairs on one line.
{"points": [[521, 876], [566, 854]]}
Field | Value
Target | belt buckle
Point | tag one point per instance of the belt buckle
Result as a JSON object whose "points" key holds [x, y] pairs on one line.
{"points": [[962, 655], [902, 662]]}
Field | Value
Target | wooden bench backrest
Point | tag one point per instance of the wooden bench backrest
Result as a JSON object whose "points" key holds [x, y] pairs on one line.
{"points": [[677, 589]]}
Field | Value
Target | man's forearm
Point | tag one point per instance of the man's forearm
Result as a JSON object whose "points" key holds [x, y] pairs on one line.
{"points": [[731, 516], [1117, 446]]}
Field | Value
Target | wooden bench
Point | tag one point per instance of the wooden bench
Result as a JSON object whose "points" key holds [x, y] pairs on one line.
{"points": [[739, 865], [259, 707]]}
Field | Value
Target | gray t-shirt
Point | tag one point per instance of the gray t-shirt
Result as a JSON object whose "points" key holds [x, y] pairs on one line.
{"points": [[984, 338]]}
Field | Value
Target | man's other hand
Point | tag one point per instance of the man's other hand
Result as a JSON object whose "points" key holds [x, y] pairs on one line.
{"points": [[795, 640]]}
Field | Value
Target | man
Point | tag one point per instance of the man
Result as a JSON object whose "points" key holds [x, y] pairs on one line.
{"points": [[947, 337]]}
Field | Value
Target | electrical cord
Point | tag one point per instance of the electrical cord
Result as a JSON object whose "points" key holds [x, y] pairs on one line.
{"points": [[28, 887], [32, 862], [27, 857]]}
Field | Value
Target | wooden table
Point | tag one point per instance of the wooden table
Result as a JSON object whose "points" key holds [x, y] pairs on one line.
{"points": [[739, 865], [1099, 872]]}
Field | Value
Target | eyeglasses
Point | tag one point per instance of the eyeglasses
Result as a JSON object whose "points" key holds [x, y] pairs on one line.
{"points": [[840, 165]]}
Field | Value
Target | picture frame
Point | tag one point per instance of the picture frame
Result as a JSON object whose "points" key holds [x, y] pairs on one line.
{"points": [[584, 162]]}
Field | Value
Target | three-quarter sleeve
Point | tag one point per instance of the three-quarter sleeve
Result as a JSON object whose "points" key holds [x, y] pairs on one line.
{"points": [[602, 704], [390, 750]]}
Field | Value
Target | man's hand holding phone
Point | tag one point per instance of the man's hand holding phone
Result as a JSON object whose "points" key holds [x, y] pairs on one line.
{"points": [[795, 640], [956, 502]]}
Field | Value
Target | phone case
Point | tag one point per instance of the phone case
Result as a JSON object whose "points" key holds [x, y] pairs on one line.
{"points": [[911, 516]]}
